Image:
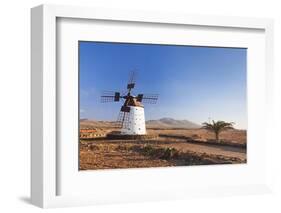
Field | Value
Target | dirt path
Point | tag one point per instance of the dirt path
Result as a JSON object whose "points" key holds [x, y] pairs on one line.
{"points": [[210, 149]]}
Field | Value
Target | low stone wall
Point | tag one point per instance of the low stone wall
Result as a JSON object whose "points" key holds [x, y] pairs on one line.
{"points": [[113, 136], [91, 135]]}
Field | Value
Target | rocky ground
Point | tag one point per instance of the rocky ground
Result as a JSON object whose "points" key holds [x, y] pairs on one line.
{"points": [[171, 146], [109, 154]]}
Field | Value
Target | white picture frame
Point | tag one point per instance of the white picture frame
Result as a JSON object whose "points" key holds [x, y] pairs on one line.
{"points": [[45, 165]]}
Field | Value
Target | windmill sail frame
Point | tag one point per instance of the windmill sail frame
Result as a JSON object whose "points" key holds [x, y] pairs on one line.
{"points": [[131, 116]]}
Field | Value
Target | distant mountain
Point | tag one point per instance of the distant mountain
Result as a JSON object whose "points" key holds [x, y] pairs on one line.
{"points": [[171, 123], [86, 123], [162, 123]]}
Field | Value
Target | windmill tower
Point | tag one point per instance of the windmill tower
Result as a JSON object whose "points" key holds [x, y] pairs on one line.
{"points": [[131, 117]]}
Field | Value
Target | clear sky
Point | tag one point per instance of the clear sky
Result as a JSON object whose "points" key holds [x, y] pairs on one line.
{"points": [[193, 83]]}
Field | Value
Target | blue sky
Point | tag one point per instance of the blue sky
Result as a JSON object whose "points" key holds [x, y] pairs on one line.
{"points": [[193, 83]]}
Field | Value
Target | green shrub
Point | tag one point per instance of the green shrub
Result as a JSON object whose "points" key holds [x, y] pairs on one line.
{"points": [[169, 153], [148, 150]]}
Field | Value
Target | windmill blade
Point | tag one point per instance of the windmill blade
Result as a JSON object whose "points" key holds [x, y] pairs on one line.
{"points": [[110, 96], [107, 93], [149, 98], [132, 76], [117, 96], [139, 97], [132, 80], [125, 109], [122, 120], [105, 99]]}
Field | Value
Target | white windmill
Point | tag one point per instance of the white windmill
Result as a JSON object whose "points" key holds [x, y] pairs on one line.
{"points": [[131, 116]]}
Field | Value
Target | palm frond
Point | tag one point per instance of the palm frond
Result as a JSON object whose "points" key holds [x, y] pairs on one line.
{"points": [[218, 126]]}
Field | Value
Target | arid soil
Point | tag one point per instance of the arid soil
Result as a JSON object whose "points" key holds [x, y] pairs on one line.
{"points": [[108, 155], [168, 147], [102, 153]]}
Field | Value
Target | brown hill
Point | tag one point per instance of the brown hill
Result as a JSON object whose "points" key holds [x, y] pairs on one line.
{"points": [[163, 123], [170, 123], [85, 123]]}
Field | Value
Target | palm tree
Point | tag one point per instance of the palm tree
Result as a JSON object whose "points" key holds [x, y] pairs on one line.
{"points": [[217, 127]]}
